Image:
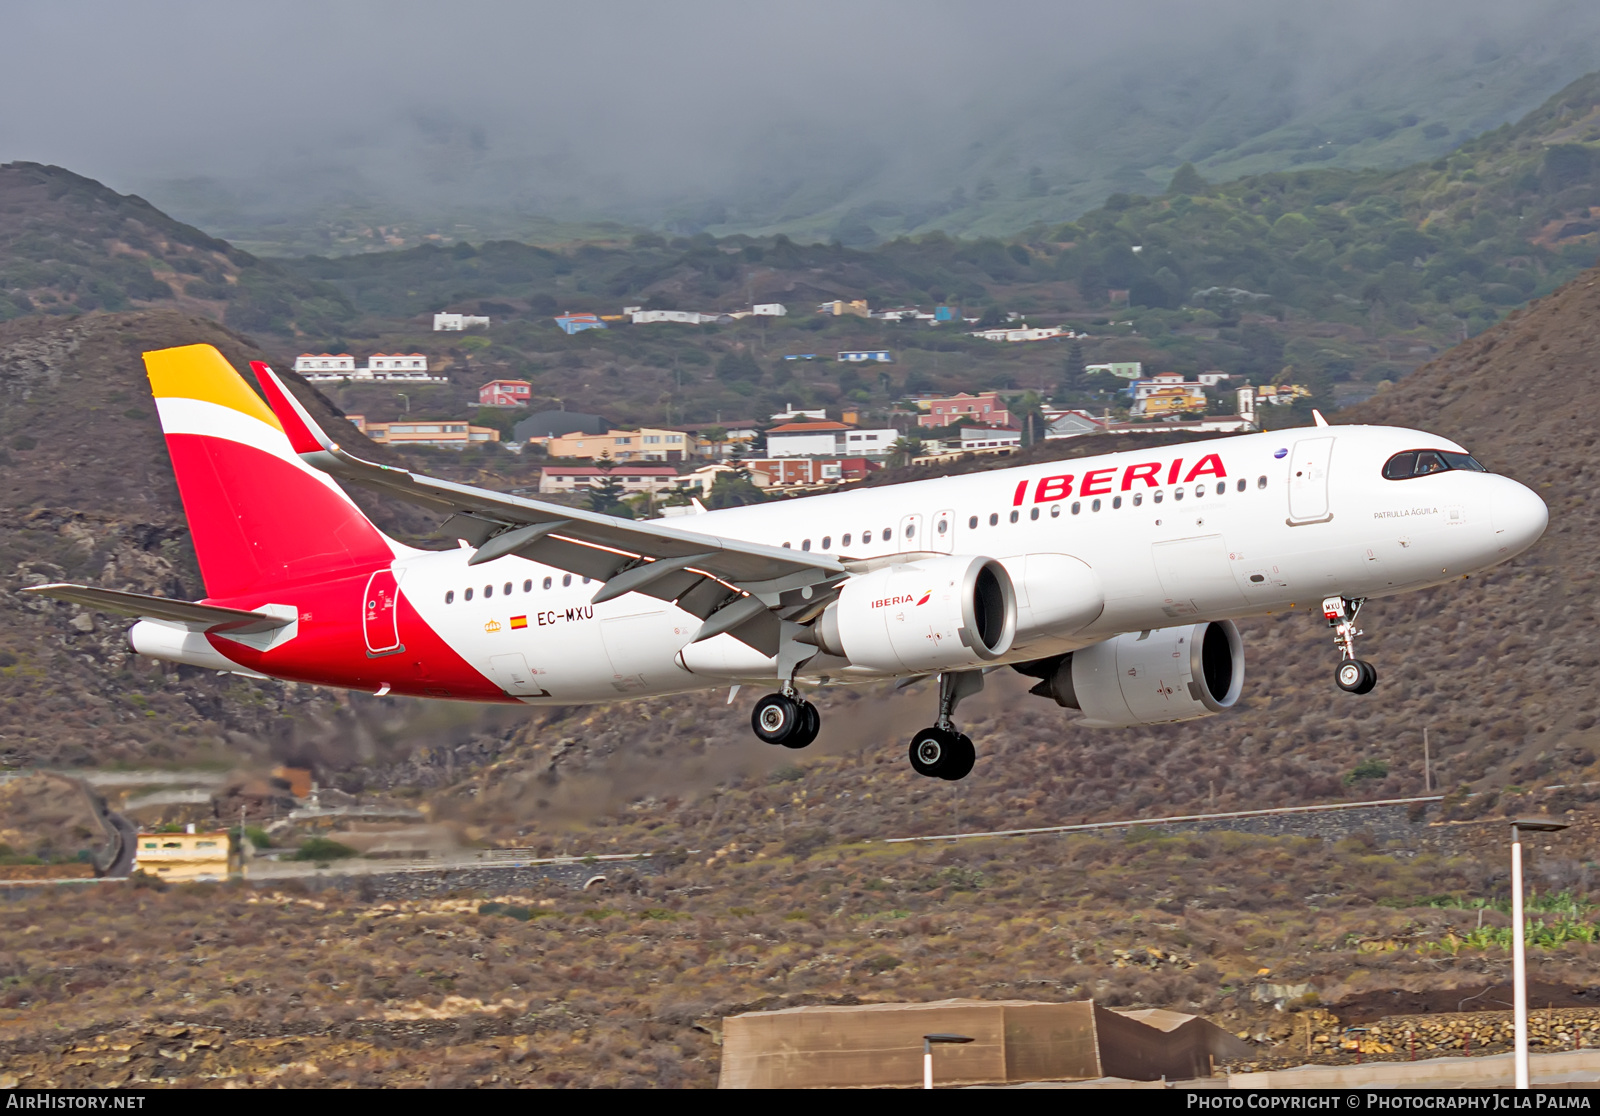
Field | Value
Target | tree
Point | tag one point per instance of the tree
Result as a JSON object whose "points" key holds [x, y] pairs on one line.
{"points": [[904, 449], [605, 496], [1029, 410], [734, 489], [993, 318], [1187, 180]]}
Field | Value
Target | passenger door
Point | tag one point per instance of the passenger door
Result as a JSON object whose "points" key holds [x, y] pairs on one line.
{"points": [[1308, 481], [380, 615], [909, 534]]}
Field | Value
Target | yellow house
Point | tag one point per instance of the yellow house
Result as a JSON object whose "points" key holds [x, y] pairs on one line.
{"points": [[839, 308], [184, 856], [1172, 400], [644, 444]]}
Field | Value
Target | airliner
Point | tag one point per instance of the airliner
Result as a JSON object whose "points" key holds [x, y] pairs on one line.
{"points": [[1115, 580]]}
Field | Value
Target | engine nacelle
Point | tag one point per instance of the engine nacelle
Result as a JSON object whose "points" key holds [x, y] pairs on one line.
{"points": [[938, 614], [1148, 678]]}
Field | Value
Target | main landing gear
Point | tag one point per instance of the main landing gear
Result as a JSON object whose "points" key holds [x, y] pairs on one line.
{"points": [[941, 752], [1352, 675], [787, 719]]}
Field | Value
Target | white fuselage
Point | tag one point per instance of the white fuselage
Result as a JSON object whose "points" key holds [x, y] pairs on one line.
{"points": [[1204, 531]]}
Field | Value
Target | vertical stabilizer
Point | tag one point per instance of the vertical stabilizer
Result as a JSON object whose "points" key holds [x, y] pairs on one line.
{"points": [[260, 517]]}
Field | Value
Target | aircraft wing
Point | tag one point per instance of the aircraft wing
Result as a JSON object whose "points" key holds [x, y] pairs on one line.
{"points": [[232, 620], [731, 584]]}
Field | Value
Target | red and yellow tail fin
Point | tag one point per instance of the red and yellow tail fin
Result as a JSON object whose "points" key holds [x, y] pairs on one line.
{"points": [[260, 516]]}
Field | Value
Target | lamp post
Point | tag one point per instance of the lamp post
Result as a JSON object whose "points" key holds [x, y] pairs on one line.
{"points": [[927, 1054], [407, 398], [1519, 960]]}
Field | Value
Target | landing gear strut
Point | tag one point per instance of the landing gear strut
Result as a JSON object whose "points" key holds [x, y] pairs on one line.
{"points": [[1352, 675], [941, 752], [786, 719]]}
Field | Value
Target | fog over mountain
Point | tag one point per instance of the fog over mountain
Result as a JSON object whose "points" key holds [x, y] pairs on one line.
{"points": [[855, 120]]}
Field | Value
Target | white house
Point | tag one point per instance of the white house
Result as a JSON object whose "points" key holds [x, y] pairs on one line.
{"points": [[869, 443], [343, 363], [454, 322], [824, 439], [687, 317], [862, 356], [770, 310], [977, 438], [1212, 379], [1023, 334]]}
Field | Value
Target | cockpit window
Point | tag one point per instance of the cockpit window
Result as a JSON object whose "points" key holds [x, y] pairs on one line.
{"points": [[1420, 463]]}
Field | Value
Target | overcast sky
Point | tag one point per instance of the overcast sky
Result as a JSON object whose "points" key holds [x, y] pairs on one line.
{"points": [[633, 101]]}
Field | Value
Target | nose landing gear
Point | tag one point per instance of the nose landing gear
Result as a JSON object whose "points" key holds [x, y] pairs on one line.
{"points": [[786, 719], [1352, 675], [941, 752]]}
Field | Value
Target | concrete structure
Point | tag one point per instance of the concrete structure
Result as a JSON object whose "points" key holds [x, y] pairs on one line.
{"points": [[737, 438], [702, 479], [808, 471], [770, 310], [1123, 370], [686, 317], [393, 364], [309, 364], [988, 438], [1071, 424], [453, 322], [443, 433], [880, 1045], [633, 478], [790, 413], [867, 356], [505, 393], [985, 407], [823, 439], [577, 323], [1493, 1071], [839, 308], [1023, 333], [644, 444], [1212, 379], [184, 856], [801, 356]]}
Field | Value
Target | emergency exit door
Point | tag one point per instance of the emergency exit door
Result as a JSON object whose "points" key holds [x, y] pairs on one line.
{"points": [[1308, 480], [909, 534], [380, 614]]}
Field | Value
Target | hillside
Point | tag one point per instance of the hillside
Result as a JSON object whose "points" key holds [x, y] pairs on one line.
{"points": [[69, 245]]}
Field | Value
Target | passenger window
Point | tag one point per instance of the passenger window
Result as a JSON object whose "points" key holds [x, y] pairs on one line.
{"points": [[1222, 487], [994, 518], [887, 534], [1055, 511], [1014, 515], [1116, 502], [1095, 506], [1157, 497], [1240, 485], [527, 586], [1177, 493], [547, 583], [449, 596], [566, 580], [1199, 491], [467, 596], [488, 591], [1076, 507], [786, 546], [586, 581], [972, 524], [846, 540], [1138, 499], [805, 544], [507, 589], [1034, 514], [1261, 482], [827, 540]]}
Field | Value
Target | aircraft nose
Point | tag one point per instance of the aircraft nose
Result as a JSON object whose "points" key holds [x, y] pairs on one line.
{"points": [[1520, 517]]}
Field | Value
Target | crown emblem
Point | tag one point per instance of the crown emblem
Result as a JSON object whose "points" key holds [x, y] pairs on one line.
{"points": [[492, 626]]}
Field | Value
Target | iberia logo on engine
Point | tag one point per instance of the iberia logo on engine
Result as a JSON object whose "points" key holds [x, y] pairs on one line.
{"points": [[890, 602]]}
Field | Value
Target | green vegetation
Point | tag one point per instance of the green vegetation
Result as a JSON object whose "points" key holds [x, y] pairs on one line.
{"points": [[322, 849]]}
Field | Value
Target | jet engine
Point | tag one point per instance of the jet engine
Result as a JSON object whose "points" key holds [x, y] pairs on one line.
{"points": [[1147, 678], [938, 614]]}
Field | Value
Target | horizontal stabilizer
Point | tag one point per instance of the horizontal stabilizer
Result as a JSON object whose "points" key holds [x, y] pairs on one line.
{"points": [[235, 621]]}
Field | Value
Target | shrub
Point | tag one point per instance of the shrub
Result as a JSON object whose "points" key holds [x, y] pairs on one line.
{"points": [[1367, 769], [322, 848]]}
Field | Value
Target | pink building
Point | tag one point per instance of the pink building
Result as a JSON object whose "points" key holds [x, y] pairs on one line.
{"points": [[505, 393], [985, 407]]}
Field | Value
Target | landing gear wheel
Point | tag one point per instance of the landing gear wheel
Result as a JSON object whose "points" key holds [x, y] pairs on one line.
{"points": [[777, 718], [942, 754], [806, 731], [962, 756], [1356, 677]]}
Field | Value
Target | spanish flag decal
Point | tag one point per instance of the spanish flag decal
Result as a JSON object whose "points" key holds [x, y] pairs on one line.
{"points": [[518, 622]]}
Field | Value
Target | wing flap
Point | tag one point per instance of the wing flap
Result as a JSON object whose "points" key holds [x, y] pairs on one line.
{"points": [[232, 620]]}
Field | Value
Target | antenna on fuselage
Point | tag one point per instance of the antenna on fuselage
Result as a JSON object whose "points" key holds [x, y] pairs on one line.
{"points": [[1316, 414]]}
